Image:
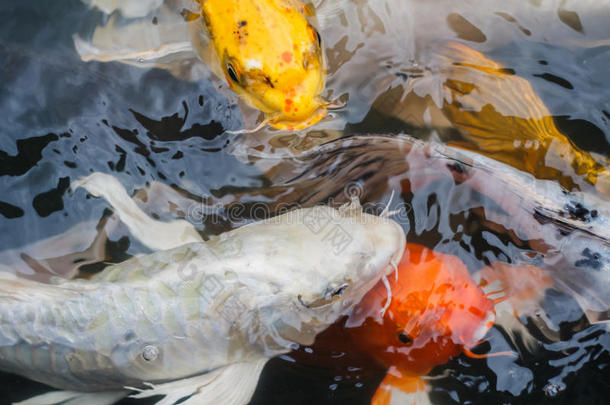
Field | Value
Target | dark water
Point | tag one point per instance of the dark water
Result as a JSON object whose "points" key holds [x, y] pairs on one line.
{"points": [[62, 119]]}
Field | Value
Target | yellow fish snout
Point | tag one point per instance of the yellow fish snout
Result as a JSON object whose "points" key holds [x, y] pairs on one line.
{"points": [[272, 56], [300, 106]]}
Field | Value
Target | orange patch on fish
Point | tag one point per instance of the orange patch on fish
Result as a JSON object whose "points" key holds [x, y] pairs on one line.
{"points": [[288, 103], [287, 56]]}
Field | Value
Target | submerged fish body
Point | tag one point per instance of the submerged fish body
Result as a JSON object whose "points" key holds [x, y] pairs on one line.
{"points": [[238, 299], [500, 116]]}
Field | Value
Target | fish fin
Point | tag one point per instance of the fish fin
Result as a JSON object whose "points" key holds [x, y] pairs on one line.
{"points": [[74, 398], [524, 288], [15, 289], [233, 384], [402, 390], [128, 8], [157, 235], [60, 255], [140, 42], [500, 114]]}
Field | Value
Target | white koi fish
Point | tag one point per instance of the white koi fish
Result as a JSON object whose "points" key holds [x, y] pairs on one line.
{"points": [[197, 321]]}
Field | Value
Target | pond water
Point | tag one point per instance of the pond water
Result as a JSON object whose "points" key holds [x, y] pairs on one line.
{"points": [[390, 60]]}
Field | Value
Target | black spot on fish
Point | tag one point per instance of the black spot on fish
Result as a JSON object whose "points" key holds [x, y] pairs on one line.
{"points": [[465, 29], [579, 212], [459, 170], [571, 19], [507, 71], [592, 260], [269, 82], [457, 167], [242, 23]]}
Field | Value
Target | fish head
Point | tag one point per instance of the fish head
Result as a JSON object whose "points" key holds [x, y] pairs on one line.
{"points": [[352, 252], [320, 261], [436, 311], [271, 55]]}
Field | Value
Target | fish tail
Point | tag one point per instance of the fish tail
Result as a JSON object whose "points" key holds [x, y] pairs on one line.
{"points": [[401, 390], [499, 114]]}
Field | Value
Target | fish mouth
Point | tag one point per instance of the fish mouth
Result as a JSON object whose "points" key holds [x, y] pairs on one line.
{"points": [[282, 122], [330, 295]]}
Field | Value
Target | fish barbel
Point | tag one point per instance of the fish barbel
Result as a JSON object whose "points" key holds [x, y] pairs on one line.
{"points": [[197, 318]]}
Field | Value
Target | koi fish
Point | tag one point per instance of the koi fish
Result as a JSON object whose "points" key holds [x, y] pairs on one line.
{"points": [[436, 312], [500, 115], [268, 51], [570, 231], [196, 321], [271, 55]]}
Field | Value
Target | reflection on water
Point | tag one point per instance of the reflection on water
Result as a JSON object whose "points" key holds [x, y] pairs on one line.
{"points": [[514, 66]]}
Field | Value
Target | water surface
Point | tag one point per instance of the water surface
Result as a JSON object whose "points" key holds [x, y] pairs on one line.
{"points": [[63, 119]]}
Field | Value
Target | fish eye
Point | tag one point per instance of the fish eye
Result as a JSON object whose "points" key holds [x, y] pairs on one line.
{"points": [[404, 338], [319, 38], [339, 290], [232, 74]]}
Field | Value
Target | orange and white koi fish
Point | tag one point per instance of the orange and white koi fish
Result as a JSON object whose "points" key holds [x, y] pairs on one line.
{"points": [[436, 312]]}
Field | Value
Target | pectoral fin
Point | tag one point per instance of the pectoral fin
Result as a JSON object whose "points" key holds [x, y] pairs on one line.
{"points": [[74, 398], [128, 8], [157, 235], [229, 385], [139, 41], [402, 390]]}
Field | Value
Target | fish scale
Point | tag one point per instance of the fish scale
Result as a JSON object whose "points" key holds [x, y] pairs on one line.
{"points": [[68, 323], [199, 317]]}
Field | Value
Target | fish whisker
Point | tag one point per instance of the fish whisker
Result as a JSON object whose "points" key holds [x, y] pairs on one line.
{"points": [[250, 131], [395, 266], [386, 284]]}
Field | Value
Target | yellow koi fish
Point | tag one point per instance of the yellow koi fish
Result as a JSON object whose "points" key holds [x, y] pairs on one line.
{"points": [[271, 55], [269, 51]]}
